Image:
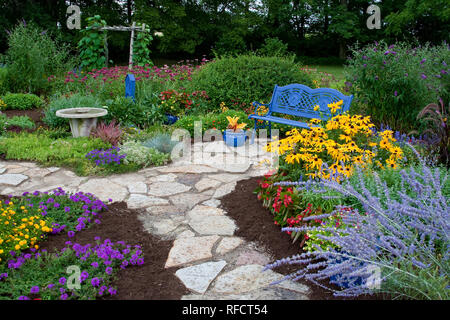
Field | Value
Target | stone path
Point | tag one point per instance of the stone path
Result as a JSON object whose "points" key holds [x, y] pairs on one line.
{"points": [[180, 202]]}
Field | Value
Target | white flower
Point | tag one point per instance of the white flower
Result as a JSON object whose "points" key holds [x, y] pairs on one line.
{"points": [[159, 34]]}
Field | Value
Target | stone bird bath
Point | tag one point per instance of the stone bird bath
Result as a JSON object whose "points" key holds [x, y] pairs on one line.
{"points": [[82, 120]]}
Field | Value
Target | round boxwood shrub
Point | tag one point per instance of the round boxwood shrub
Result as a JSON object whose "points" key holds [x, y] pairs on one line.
{"points": [[22, 101], [238, 81]]}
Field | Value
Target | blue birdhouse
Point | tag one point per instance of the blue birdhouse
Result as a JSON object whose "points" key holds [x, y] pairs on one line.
{"points": [[130, 86]]}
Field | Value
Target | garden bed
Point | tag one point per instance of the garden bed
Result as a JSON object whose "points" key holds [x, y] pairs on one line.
{"points": [[149, 281], [255, 224], [36, 115]]}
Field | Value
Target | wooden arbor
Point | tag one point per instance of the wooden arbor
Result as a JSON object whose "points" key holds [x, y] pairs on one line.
{"points": [[131, 29]]}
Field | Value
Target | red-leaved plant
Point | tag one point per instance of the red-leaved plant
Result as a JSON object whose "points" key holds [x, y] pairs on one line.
{"points": [[437, 115], [110, 133]]}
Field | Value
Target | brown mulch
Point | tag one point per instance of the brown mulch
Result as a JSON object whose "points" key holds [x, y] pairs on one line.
{"points": [[150, 281], [35, 114], [255, 224]]}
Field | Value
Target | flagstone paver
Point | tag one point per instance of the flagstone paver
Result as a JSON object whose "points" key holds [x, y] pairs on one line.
{"points": [[198, 278], [181, 202], [12, 179], [186, 201], [187, 250], [164, 189], [206, 184], [105, 189], [228, 244], [244, 279], [211, 225], [225, 189], [136, 201]]}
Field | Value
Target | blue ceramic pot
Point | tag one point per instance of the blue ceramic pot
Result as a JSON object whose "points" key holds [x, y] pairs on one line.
{"points": [[234, 139], [171, 119]]}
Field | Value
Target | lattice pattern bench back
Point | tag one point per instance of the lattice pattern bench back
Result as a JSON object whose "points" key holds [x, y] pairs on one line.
{"points": [[300, 100]]}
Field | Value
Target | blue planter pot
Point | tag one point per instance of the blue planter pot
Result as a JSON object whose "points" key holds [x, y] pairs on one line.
{"points": [[171, 119], [234, 139], [345, 283]]}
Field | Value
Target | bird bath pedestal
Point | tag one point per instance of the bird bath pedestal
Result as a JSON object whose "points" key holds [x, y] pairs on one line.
{"points": [[82, 120]]}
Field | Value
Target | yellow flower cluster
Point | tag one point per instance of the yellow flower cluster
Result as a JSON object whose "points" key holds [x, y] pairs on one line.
{"points": [[395, 152], [335, 106], [341, 142], [223, 107], [262, 110], [20, 229]]}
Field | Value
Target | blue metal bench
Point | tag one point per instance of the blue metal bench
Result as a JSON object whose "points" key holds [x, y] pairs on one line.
{"points": [[299, 100]]}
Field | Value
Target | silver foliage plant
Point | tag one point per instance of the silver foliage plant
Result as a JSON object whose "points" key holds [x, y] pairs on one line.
{"points": [[397, 246]]}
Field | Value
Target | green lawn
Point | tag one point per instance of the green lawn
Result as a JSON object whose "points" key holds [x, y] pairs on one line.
{"points": [[337, 71]]}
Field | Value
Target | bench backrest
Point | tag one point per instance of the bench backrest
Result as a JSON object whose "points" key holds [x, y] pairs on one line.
{"points": [[300, 100]]}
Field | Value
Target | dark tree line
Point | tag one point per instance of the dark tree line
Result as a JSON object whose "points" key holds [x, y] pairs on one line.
{"points": [[196, 27]]}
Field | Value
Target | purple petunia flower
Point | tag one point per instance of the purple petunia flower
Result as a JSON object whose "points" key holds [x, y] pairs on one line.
{"points": [[84, 275], [64, 296], [67, 209], [70, 234], [34, 290], [94, 264], [62, 280], [102, 290], [109, 270], [24, 298], [424, 76], [95, 282]]}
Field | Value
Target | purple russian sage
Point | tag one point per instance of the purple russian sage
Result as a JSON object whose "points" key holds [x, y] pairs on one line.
{"points": [[398, 245]]}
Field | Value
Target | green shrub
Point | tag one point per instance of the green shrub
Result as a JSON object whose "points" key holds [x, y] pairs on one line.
{"points": [[392, 84], [212, 121], [142, 135], [64, 102], [22, 101], [143, 156], [40, 147], [273, 47], [33, 57], [3, 80], [23, 122], [125, 111], [244, 79], [230, 43]]}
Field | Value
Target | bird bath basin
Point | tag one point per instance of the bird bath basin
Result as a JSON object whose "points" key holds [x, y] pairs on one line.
{"points": [[82, 120]]}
